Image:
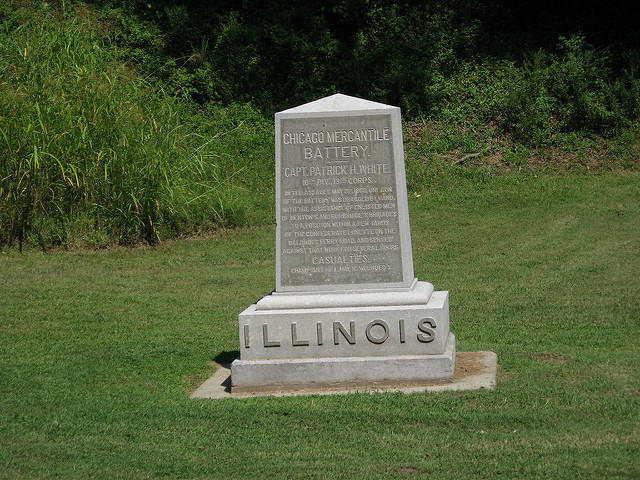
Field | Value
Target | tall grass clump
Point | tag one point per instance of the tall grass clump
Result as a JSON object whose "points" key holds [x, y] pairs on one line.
{"points": [[92, 153]]}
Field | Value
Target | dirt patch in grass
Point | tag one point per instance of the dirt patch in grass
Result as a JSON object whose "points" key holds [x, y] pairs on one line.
{"points": [[411, 471], [552, 357], [635, 392], [503, 376], [469, 364]]}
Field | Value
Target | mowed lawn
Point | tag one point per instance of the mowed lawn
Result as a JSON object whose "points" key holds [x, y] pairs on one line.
{"points": [[99, 350]]}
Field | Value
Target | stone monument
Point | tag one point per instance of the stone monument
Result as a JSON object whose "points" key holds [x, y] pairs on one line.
{"points": [[347, 310]]}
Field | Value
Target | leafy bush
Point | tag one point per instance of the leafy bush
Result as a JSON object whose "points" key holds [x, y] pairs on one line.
{"points": [[472, 96], [280, 54], [573, 90]]}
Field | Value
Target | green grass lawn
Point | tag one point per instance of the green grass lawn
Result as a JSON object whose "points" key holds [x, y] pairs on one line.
{"points": [[99, 350]]}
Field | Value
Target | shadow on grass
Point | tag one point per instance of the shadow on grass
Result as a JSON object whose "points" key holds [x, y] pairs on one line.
{"points": [[225, 358]]}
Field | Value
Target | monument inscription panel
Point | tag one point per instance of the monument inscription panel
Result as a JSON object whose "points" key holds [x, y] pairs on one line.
{"points": [[339, 210], [339, 220]]}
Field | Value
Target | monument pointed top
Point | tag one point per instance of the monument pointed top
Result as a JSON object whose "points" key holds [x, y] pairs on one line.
{"points": [[338, 102]]}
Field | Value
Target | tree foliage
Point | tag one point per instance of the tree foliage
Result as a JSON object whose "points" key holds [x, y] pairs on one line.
{"points": [[277, 54]]}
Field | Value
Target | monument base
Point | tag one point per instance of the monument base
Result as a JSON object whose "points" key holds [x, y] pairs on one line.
{"points": [[367, 340], [250, 376]]}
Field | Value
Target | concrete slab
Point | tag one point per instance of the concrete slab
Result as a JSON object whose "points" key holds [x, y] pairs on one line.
{"points": [[473, 371]]}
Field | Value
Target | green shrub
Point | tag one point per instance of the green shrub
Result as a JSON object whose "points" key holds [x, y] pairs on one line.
{"points": [[527, 113], [472, 96], [571, 91], [279, 54]]}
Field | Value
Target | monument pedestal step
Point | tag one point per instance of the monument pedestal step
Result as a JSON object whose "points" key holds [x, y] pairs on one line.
{"points": [[356, 331], [248, 376], [418, 294]]}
